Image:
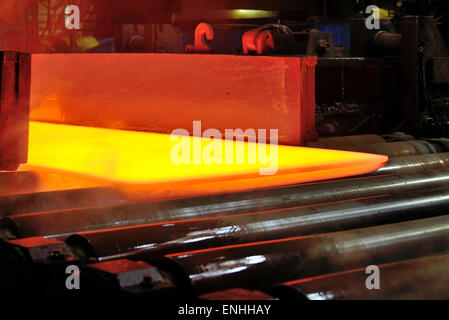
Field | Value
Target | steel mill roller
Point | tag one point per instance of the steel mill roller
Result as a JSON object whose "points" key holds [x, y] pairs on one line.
{"points": [[65, 222], [170, 237], [419, 279], [289, 259]]}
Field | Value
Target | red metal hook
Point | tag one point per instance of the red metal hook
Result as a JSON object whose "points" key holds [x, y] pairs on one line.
{"points": [[258, 40], [265, 42], [203, 32]]}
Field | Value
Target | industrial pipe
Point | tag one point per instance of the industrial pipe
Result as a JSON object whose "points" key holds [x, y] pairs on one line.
{"points": [[387, 44], [346, 141], [420, 279], [17, 182], [416, 164], [58, 200], [393, 149], [165, 238], [263, 264], [402, 148], [60, 223]]}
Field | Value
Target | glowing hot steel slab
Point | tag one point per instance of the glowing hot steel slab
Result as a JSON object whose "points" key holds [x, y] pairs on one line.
{"points": [[146, 162], [163, 92]]}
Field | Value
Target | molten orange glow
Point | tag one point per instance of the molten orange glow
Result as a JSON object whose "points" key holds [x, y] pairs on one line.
{"points": [[142, 161], [163, 92]]}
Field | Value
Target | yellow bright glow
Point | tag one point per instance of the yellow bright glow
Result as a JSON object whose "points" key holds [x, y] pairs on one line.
{"points": [[143, 160], [384, 13], [252, 14]]}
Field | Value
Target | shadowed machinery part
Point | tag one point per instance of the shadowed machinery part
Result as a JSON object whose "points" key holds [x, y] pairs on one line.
{"points": [[34, 267], [394, 149], [347, 141], [420, 279]]}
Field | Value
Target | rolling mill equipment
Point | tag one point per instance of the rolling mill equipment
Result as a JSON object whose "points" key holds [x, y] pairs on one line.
{"points": [[242, 150]]}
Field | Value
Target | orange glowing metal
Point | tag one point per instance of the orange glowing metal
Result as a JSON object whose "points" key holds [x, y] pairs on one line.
{"points": [[142, 161], [163, 92]]}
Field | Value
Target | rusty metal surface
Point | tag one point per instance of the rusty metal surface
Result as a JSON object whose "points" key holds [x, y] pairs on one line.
{"points": [[79, 220], [246, 266], [420, 279], [166, 238]]}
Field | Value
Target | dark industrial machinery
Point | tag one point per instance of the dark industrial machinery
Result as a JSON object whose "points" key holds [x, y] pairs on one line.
{"points": [[428, 274], [394, 76]]}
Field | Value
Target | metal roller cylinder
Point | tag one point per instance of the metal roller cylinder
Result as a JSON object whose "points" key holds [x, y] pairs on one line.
{"points": [[17, 182], [389, 44], [395, 149], [159, 239], [60, 223], [399, 149], [58, 200], [420, 279], [398, 136], [416, 164], [261, 265], [347, 141]]}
